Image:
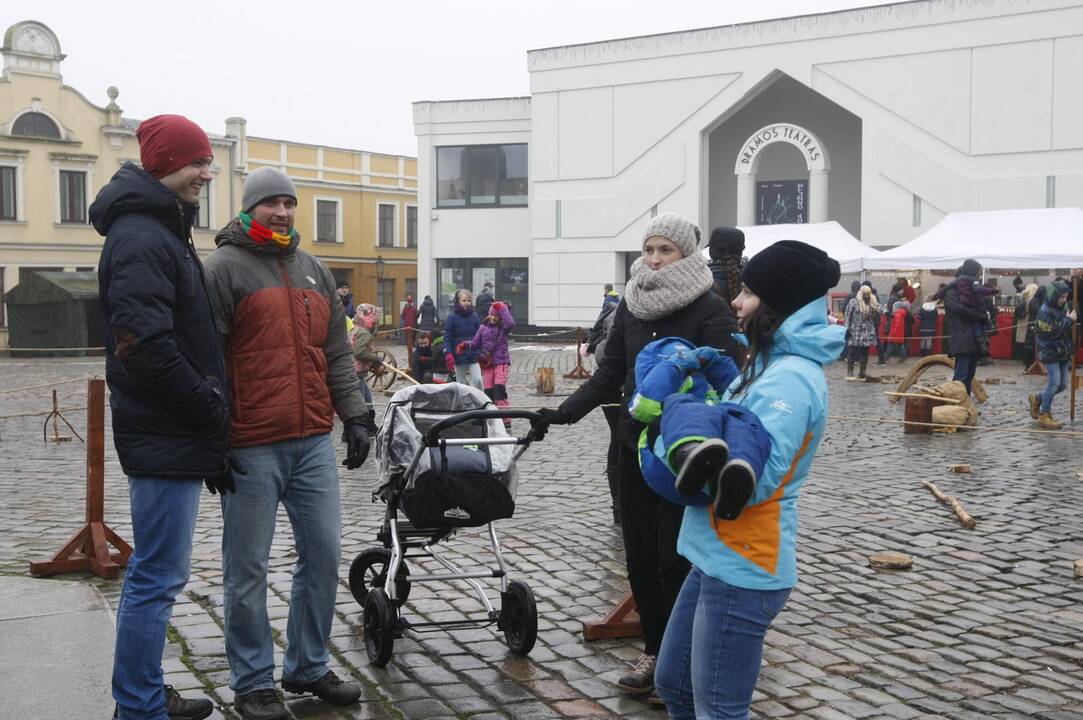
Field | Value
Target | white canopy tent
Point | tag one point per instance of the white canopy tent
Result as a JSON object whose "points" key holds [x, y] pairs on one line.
{"points": [[830, 237], [1017, 239]]}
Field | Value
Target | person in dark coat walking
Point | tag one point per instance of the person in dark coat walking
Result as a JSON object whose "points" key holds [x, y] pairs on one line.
{"points": [[596, 340], [484, 300], [669, 294], [965, 323], [1053, 329], [168, 392], [427, 317]]}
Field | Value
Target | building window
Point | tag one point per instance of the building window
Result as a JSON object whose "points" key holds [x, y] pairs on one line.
{"points": [[35, 124], [327, 221], [7, 193], [411, 226], [481, 176], [386, 231], [72, 196], [203, 217]]}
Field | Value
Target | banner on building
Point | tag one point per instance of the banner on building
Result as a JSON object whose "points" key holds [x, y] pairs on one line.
{"points": [[780, 202]]}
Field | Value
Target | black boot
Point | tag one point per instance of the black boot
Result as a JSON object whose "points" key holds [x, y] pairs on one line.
{"points": [[734, 488], [698, 463]]}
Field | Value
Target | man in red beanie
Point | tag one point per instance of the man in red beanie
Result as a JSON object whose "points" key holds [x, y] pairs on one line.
{"points": [[168, 394]]}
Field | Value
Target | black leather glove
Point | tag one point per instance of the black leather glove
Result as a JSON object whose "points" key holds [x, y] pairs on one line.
{"points": [[356, 438], [223, 480], [549, 416]]}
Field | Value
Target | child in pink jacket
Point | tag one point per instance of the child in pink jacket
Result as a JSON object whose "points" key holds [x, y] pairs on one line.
{"points": [[491, 342]]}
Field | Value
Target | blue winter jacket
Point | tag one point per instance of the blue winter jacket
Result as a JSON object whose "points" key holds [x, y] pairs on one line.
{"points": [[758, 550], [1053, 327], [459, 328], [167, 381]]}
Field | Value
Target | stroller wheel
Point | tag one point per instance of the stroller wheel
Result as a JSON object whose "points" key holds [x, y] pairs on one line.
{"points": [[379, 627], [519, 617], [368, 571]]}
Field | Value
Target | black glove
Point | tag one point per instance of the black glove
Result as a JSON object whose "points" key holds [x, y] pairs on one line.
{"points": [[223, 481], [356, 438], [549, 416]]}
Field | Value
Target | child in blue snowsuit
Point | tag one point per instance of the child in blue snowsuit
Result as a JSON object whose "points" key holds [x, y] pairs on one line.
{"points": [[701, 450]]}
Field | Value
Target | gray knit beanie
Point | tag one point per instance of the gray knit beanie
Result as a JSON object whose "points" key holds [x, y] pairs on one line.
{"points": [[676, 228], [264, 183]]}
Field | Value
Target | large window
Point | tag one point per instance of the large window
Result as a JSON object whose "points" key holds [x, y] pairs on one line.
{"points": [[386, 229], [36, 124], [411, 226], [203, 219], [72, 196], [385, 299], [327, 221], [481, 176], [509, 276], [7, 193]]}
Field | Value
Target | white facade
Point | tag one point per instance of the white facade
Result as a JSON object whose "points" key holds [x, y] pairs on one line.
{"points": [[891, 116]]}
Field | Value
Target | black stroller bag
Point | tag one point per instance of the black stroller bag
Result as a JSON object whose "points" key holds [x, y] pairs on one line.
{"points": [[464, 492]]}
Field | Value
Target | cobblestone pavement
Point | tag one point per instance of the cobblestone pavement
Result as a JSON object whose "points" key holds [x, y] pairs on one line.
{"points": [[986, 624]]}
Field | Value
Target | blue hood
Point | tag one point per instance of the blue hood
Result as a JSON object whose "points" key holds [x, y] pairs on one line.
{"points": [[807, 334]]}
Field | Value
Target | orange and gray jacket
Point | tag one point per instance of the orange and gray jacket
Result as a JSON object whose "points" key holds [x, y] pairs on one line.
{"points": [[284, 332]]}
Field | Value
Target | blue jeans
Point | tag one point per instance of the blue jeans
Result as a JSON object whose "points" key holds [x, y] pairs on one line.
{"points": [[469, 375], [302, 475], [163, 522], [966, 365], [710, 657], [1057, 373]]}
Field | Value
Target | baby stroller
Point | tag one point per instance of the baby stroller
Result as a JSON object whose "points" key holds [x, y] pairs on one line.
{"points": [[446, 461]]}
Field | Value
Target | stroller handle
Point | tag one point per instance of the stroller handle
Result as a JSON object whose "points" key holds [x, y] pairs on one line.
{"points": [[432, 437]]}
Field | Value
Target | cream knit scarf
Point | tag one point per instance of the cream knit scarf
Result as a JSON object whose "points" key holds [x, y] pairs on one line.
{"points": [[653, 294]]}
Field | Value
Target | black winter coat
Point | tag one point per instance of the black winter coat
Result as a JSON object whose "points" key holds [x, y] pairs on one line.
{"points": [[964, 324], [706, 321], [167, 379]]}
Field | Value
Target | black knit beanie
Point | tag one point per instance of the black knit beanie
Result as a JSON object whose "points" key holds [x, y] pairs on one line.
{"points": [[789, 275], [970, 267], [726, 241]]}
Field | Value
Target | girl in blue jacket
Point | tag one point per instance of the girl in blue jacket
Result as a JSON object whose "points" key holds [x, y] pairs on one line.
{"points": [[459, 329], [743, 569]]}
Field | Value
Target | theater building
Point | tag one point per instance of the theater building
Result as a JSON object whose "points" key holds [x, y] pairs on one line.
{"points": [[883, 119]]}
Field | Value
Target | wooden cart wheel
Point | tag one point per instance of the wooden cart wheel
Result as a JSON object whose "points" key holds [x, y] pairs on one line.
{"points": [[379, 377]]}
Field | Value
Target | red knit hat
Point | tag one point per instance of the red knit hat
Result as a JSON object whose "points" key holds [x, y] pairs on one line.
{"points": [[169, 142]]}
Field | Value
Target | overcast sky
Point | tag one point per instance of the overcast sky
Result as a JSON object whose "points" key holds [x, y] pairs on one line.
{"points": [[343, 73]]}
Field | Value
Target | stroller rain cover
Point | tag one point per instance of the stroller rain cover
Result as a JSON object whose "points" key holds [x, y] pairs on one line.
{"points": [[459, 486]]}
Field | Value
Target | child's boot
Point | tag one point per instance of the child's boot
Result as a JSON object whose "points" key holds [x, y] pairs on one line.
{"points": [[698, 462], [1046, 422], [734, 488]]}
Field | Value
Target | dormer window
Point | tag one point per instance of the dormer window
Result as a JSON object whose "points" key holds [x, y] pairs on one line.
{"points": [[35, 124]]}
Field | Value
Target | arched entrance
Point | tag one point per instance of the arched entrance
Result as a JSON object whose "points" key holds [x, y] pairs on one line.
{"points": [[747, 167]]}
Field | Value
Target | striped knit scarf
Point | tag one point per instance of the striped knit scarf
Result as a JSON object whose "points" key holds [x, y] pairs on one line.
{"points": [[262, 235]]}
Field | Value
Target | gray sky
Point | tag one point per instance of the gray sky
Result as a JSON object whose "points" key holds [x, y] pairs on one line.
{"points": [[343, 73]]}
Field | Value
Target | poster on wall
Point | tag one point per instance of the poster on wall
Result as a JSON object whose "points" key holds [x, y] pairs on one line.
{"points": [[781, 202], [484, 275], [451, 279]]}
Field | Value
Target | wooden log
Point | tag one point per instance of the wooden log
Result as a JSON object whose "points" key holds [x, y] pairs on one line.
{"points": [[918, 415], [546, 380], [957, 507], [621, 622], [891, 561]]}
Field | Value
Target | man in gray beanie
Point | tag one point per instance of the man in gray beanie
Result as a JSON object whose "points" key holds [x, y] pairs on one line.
{"points": [[290, 368]]}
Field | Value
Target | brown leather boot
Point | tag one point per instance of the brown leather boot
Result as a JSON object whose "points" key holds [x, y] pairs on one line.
{"points": [[1046, 422]]}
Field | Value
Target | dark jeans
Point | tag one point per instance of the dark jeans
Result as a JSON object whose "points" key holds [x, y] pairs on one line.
{"points": [[655, 571], [966, 365], [612, 465]]}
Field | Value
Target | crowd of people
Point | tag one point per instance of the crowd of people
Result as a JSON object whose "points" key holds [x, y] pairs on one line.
{"points": [[227, 374]]}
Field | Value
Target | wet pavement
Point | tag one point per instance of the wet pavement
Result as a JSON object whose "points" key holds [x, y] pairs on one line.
{"points": [[987, 623]]}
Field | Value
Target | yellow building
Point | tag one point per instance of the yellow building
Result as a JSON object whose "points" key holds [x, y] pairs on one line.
{"points": [[57, 149], [356, 211]]}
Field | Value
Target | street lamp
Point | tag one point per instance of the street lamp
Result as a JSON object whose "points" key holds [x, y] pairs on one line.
{"points": [[380, 266]]}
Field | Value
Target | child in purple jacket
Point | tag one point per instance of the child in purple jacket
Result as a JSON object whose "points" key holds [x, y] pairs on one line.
{"points": [[491, 342]]}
